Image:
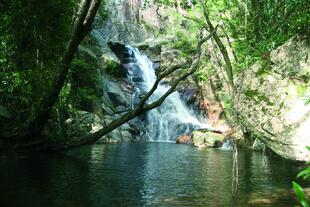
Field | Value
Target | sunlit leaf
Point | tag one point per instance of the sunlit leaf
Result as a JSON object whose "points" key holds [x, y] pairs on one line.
{"points": [[300, 194], [304, 174]]}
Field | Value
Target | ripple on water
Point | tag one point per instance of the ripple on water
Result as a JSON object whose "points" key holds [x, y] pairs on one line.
{"points": [[145, 174]]}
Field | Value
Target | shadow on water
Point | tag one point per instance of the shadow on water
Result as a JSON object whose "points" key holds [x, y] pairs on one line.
{"points": [[145, 174]]}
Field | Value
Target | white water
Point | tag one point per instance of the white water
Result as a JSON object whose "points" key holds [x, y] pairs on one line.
{"points": [[173, 117], [227, 145]]}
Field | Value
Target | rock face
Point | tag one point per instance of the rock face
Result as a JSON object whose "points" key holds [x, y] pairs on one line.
{"points": [[272, 102], [82, 124], [104, 95], [127, 23]]}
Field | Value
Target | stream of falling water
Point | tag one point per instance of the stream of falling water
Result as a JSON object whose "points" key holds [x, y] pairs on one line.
{"points": [[173, 117]]}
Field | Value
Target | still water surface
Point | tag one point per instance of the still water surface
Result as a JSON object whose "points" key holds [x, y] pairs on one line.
{"points": [[145, 174]]}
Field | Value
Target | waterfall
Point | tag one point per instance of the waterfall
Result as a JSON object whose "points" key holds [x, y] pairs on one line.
{"points": [[173, 117]]}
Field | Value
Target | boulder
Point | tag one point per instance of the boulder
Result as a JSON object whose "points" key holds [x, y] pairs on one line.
{"points": [[82, 123], [126, 136], [120, 134], [207, 139], [272, 100], [113, 94], [184, 139], [117, 136]]}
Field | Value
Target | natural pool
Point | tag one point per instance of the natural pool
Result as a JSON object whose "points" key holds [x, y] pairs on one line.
{"points": [[145, 174]]}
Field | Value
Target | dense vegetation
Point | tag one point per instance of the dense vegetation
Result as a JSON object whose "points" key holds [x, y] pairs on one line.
{"points": [[48, 73], [249, 30], [29, 53], [35, 34]]}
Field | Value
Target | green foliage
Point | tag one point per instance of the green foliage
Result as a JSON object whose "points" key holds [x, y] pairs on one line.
{"points": [[204, 73], [300, 194], [33, 35], [84, 84], [259, 26], [302, 89], [305, 174], [111, 66], [103, 12], [257, 96], [307, 100], [227, 103], [185, 43], [63, 97]]}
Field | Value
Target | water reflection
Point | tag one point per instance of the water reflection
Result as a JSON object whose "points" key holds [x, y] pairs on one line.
{"points": [[145, 174]]}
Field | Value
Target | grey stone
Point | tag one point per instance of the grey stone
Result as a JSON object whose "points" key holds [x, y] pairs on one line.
{"points": [[82, 123], [272, 101], [206, 139], [126, 136]]}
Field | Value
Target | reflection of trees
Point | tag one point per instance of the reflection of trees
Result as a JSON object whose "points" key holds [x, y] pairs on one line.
{"points": [[144, 174], [43, 181], [115, 174], [245, 175]]}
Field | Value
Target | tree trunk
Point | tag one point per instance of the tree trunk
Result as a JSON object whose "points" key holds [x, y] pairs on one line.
{"points": [[257, 18], [222, 48], [82, 25]]}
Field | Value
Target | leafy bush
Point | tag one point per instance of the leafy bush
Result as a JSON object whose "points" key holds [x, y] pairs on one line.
{"points": [[305, 174]]}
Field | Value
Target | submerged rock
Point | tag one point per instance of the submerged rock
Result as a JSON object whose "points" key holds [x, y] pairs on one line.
{"points": [[275, 197]]}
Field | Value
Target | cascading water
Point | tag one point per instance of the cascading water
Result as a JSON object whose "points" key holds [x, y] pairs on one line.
{"points": [[173, 117]]}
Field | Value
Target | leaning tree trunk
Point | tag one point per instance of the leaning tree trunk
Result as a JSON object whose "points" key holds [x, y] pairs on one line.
{"points": [[82, 25]]}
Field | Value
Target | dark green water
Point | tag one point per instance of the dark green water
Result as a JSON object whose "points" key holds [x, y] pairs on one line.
{"points": [[145, 174]]}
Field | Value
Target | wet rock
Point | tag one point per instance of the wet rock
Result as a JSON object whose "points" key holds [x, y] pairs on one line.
{"points": [[117, 136], [258, 145], [106, 109], [82, 123], [218, 144], [184, 139], [114, 94], [207, 139], [111, 66], [124, 54], [277, 197], [126, 136]]}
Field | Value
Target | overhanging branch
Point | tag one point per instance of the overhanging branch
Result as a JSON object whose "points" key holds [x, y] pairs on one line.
{"points": [[139, 110]]}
